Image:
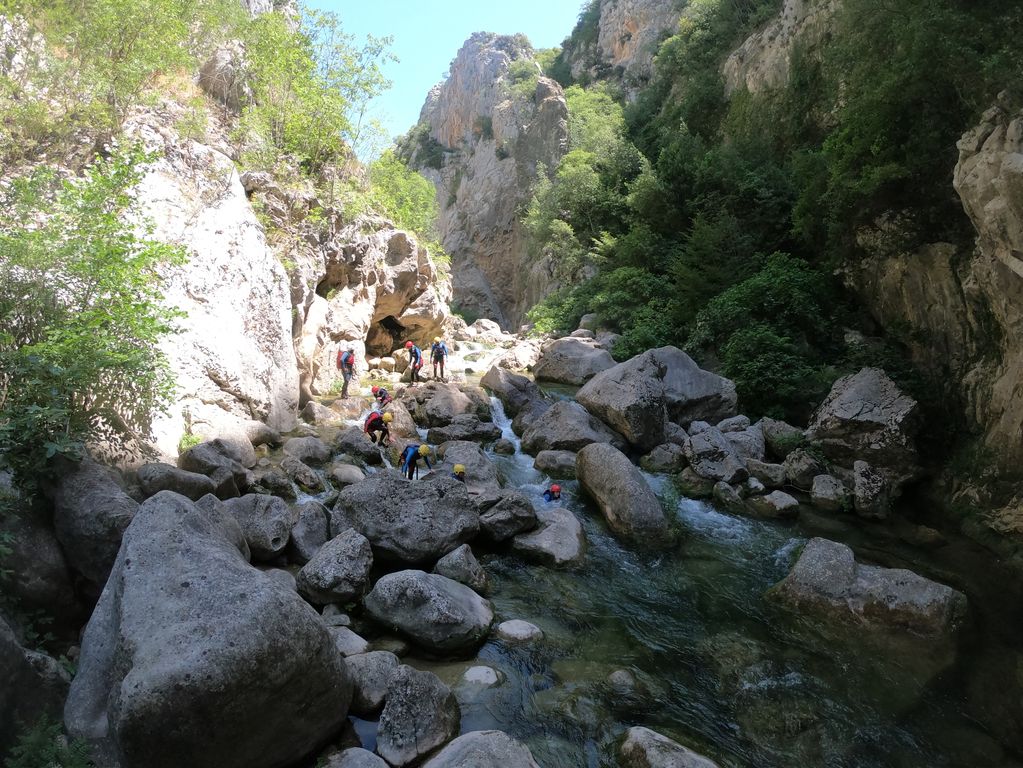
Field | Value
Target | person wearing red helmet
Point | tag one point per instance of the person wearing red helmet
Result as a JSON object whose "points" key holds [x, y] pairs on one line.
{"points": [[381, 395], [553, 493], [415, 356]]}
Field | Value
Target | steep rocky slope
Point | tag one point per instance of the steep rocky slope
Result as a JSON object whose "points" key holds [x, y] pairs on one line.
{"points": [[483, 134]]}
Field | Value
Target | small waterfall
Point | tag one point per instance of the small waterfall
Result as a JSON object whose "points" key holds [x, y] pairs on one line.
{"points": [[501, 419]]}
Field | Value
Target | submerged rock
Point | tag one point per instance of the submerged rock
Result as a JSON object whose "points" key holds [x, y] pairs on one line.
{"points": [[643, 748], [263, 668], [827, 580]]}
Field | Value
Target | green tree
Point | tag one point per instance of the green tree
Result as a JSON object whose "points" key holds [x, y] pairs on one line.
{"points": [[81, 316]]}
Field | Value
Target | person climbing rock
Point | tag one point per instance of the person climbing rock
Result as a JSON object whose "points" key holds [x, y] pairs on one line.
{"points": [[346, 364], [415, 357], [381, 395], [458, 472], [438, 356], [553, 493], [410, 459], [376, 427]]}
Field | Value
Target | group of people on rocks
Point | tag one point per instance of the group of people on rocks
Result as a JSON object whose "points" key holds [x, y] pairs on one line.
{"points": [[377, 422]]}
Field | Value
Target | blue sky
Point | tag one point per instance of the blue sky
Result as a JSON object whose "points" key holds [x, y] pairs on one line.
{"points": [[428, 33]]}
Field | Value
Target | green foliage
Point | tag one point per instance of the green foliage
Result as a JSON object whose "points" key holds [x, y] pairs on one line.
{"points": [[193, 124], [81, 316], [523, 75], [43, 746], [546, 58], [188, 440], [403, 195], [311, 86]]}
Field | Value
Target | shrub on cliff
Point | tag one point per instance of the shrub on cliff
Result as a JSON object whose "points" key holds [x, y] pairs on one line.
{"points": [[80, 317]]}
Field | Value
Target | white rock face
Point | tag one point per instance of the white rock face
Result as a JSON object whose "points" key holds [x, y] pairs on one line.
{"points": [[233, 359], [491, 142], [631, 30], [763, 62]]}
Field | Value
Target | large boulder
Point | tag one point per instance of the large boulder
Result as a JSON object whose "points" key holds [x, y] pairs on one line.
{"points": [[558, 540], [32, 686], [748, 443], [157, 477], [623, 495], [572, 361], [462, 566], [667, 457], [866, 416], [431, 610], [420, 715], [781, 438], [406, 521], [171, 642], [483, 749], [354, 757], [556, 464], [711, 455], [801, 467], [504, 514], [513, 390], [302, 474], [356, 443], [529, 414], [567, 426], [871, 492], [37, 578], [774, 505], [371, 674], [827, 580], [221, 461], [829, 494], [266, 522], [338, 572], [480, 472], [691, 393], [308, 450], [630, 398], [465, 426], [310, 532], [436, 404], [90, 514], [643, 748]]}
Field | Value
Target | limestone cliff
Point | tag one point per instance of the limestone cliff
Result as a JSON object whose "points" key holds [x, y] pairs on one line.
{"points": [[482, 136]]}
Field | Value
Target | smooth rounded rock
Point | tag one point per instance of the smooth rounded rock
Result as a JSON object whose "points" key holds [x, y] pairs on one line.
{"points": [[518, 631], [420, 714], [371, 674], [339, 571], [483, 749]]}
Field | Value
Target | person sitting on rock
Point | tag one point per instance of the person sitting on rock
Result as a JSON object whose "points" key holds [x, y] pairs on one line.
{"points": [[376, 427], [346, 364], [458, 472], [381, 395], [438, 356], [415, 359], [410, 459], [553, 493]]}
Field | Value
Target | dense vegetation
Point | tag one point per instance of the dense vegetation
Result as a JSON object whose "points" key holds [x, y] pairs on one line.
{"points": [[718, 223]]}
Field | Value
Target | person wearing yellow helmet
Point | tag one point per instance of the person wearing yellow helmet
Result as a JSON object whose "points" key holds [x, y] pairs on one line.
{"points": [[458, 472], [438, 356], [410, 459], [376, 427]]}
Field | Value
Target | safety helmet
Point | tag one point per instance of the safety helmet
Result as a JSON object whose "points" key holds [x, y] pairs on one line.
{"points": [[374, 389], [388, 418], [409, 345], [424, 450], [436, 338], [459, 469], [555, 489]]}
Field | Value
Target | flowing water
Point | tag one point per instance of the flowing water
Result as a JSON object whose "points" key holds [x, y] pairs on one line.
{"points": [[713, 664]]}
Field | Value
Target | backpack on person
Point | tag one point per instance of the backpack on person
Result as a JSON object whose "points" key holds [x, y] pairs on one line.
{"points": [[345, 359]]}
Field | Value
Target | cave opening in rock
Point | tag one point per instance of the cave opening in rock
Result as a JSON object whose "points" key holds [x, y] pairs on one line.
{"points": [[385, 336]]}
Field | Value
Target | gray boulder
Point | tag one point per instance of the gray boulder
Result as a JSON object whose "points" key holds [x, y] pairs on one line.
{"points": [[668, 457], [691, 393], [347, 642], [462, 566], [408, 521], [529, 415], [316, 413], [556, 464], [355, 757], [781, 438], [266, 522], [421, 714], [692, 486], [571, 361], [734, 424], [827, 581], [32, 686], [343, 475], [867, 417], [774, 505], [512, 513], [771, 475], [514, 391], [157, 477], [567, 426], [339, 571], [371, 674], [483, 749], [828, 493], [465, 426], [356, 443], [90, 514], [37, 575], [871, 492], [630, 399], [304, 475], [728, 497], [558, 540], [402, 423], [480, 472], [518, 631], [643, 748], [674, 434], [801, 467], [748, 443], [623, 495], [436, 404], [711, 455], [221, 461], [433, 611], [308, 450], [264, 668], [504, 447], [275, 483]]}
